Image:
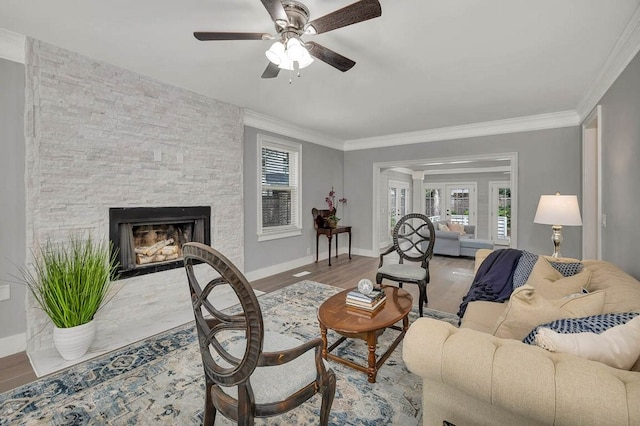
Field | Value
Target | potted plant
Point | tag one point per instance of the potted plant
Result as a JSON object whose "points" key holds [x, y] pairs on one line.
{"points": [[332, 219], [70, 283]]}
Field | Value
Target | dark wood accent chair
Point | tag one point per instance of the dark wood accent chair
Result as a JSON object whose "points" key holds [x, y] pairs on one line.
{"points": [[413, 239], [235, 350]]}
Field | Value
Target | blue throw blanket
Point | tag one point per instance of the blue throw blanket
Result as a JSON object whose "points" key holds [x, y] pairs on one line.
{"points": [[494, 280]]}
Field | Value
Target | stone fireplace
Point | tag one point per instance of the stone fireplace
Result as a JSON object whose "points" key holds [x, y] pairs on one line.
{"points": [[150, 239], [98, 137]]}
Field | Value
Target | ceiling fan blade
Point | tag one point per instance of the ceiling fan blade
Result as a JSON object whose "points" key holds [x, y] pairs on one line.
{"points": [[271, 71], [348, 15], [205, 36], [332, 58], [275, 9]]}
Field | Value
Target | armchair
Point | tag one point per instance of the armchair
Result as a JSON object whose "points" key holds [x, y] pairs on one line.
{"points": [[236, 350], [413, 240]]}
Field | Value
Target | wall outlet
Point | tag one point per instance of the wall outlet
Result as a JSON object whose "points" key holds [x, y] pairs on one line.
{"points": [[308, 251], [604, 220], [5, 292], [180, 158], [157, 155]]}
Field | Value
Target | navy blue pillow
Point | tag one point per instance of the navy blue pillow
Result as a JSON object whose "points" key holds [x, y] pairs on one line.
{"points": [[592, 324], [525, 265], [567, 269]]}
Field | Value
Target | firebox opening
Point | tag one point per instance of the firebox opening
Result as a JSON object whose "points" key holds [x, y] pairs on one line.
{"points": [[150, 239]]}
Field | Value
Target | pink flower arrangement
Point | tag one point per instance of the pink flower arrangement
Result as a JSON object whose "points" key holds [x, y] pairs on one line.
{"points": [[331, 202]]}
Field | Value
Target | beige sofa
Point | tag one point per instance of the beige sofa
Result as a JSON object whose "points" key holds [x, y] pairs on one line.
{"points": [[471, 377]]}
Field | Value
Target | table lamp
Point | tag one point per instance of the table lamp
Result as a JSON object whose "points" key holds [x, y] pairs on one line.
{"points": [[558, 211]]}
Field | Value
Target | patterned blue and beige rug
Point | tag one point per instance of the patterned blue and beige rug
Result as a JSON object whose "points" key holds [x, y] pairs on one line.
{"points": [[160, 380]]}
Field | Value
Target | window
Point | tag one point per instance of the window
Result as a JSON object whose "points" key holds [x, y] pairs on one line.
{"points": [[279, 188]]}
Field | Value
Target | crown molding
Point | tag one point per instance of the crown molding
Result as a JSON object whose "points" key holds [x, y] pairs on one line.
{"points": [[253, 119], [511, 125], [12, 46], [623, 52]]}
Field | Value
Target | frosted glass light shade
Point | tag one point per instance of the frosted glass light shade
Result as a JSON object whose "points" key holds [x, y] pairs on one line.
{"points": [[305, 61], [558, 210], [275, 53], [295, 49]]}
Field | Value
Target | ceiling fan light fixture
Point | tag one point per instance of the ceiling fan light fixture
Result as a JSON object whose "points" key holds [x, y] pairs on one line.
{"points": [[276, 53], [295, 50]]}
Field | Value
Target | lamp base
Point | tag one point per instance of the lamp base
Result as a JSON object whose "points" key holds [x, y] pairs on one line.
{"points": [[556, 237]]}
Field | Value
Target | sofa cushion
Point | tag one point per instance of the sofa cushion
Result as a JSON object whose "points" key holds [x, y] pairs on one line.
{"points": [[527, 308], [456, 227], [481, 315], [551, 284], [622, 290], [443, 227], [618, 347], [592, 324]]}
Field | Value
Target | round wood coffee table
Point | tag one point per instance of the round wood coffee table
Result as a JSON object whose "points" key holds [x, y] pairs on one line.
{"points": [[356, 323]]}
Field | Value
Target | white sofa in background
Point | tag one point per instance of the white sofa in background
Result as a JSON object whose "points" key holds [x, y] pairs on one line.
{"points": [[452, 243]]}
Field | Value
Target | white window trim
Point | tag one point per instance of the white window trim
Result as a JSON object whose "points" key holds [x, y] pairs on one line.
{"points": [[274, 233]]}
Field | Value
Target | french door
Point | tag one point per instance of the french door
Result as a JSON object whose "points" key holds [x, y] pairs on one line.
{"points": [[454, 202], [500, 212], [399, 202]]}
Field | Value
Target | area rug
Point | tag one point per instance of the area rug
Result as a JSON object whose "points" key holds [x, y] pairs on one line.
{"points": [[160, 380]]}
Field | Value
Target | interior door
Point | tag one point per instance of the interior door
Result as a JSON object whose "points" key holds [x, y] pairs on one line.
{"points": [[399, 202], [500, 212]]}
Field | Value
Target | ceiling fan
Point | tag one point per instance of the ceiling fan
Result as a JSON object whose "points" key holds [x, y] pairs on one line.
{"points": [[291, 19]]}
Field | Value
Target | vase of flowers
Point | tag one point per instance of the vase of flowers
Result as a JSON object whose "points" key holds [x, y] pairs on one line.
{"points": [[332, 219]]}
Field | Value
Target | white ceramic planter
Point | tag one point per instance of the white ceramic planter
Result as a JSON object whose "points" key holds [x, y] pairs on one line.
{"points": [[73, 342]]}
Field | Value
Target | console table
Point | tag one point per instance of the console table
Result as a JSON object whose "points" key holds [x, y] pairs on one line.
{"points": [[330, 232], [319, 222]]}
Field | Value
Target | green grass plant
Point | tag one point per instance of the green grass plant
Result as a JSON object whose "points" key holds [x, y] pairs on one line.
{"points": [[71, 281]]}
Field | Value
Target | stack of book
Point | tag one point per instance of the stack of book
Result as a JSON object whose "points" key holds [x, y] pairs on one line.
{"points": [[368, 302]]}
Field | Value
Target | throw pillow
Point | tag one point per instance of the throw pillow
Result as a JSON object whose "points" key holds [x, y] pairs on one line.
{"points": [[567, 269], [552, 284], [456, 227], [593, 324], [527, 308], [618, 347], [525, 265], [443, 227]]}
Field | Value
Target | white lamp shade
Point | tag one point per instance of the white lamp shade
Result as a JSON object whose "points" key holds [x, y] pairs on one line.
{"points": [[275, 53], [295, 50], [305, 61], [285, 63], [558, 210]]}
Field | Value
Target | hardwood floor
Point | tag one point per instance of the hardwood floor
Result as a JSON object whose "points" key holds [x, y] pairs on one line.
{"points": [[450, 280]]}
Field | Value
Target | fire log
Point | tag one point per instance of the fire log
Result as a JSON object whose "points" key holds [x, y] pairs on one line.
{"points": [[157, 246]]}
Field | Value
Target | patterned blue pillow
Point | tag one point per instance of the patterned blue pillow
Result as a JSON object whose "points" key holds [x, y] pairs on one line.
{"points": [[523, 269], [567, 269], [592, 324]]}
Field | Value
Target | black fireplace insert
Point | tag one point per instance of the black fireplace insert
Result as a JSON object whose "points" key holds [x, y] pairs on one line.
{"points": [[150, 239]]}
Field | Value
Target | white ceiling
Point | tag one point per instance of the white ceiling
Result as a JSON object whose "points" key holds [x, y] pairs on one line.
{"points": [[423, 65]]}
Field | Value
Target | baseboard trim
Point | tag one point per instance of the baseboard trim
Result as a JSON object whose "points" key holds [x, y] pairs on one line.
{"points": [[296, 263], [13, 344]]}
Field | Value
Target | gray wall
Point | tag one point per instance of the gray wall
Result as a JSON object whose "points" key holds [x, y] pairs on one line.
{"points": [[549, 161], [12, 194], [620, 169], [322, 168]]}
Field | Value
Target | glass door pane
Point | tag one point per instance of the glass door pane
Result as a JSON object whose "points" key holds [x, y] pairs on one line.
{"points": [[459, 206], [399, 196], [500, 207]]}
